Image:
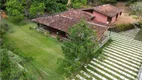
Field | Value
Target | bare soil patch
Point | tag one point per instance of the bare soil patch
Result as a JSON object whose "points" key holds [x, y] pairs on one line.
{"points": [[125, 18]]}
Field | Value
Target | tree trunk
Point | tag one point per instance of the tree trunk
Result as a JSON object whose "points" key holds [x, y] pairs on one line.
{"points": [[69, 2]]}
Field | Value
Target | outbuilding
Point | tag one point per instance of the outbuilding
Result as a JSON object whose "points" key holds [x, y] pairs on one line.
{"points": [[106, 14]]}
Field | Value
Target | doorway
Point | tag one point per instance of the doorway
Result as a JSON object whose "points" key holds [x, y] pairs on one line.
{"points": [[109, 19], [116, 16]]}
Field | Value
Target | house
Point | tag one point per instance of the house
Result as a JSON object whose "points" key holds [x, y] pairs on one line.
{"points": [[60, 23], [104, 13]]}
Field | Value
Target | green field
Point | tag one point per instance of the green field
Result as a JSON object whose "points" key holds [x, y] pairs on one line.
{"points": [[45, 50]]}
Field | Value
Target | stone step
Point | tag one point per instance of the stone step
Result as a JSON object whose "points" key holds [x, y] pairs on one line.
{"points": [[87, 76], [123, 53], [91, 75], [120, 67], [102, 72], [84, 73], [116, 71], [128, 44], [128, 49], [104, 68], [129, 61], [122, 64], [96, 74], [122, 37], [80, 77], [127, 40], [109, 71]]}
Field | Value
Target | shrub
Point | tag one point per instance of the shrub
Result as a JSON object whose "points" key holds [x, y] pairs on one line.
{"points": [[76, 5], [139, 25], [55, 7], [108, 1], [123, 27], [130, 2], [136, 8], [3, 28]]}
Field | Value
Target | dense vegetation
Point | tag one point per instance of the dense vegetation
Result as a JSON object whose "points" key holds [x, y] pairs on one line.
{"points": [[10, 66], [136, 8], [77, 51], [3, 28], [123, 27], [19, 9], [79, 48]]}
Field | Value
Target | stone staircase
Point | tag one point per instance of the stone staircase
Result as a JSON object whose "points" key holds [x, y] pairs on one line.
{"points": [[123, 59]]}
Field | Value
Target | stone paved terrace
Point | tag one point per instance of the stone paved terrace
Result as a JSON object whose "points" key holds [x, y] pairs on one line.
{"points": [[123, 59]]}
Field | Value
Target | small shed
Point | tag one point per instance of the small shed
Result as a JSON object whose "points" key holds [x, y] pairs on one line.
{"points": [[104, 13]]}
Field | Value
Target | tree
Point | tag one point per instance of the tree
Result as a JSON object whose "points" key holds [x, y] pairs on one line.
{"points": [[69, 2], [9, 67], [2, 4], [3, 28], [36, 9], [15, 9], [19, 9], [5, 65], [136, 8], [55, 5], [79, 48]]}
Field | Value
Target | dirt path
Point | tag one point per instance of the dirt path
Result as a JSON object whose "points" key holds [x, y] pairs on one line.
{"points": [[125, 18]]}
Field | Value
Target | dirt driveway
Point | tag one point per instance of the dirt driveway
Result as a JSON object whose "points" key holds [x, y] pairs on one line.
{"points": [[125, 18]]}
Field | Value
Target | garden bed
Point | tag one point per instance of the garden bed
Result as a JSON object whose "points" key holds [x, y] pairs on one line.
{"points": [[122, 27]]}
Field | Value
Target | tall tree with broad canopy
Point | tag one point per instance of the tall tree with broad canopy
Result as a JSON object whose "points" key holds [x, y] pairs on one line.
{"points": [[19, 9], [79, 48]]}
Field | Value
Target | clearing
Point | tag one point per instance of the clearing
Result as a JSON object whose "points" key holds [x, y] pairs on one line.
{"points": [[45, 50], [125, 18]]}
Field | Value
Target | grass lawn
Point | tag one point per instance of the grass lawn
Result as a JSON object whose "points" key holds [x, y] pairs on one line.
{"points": [[45, 50], [139, 35]]}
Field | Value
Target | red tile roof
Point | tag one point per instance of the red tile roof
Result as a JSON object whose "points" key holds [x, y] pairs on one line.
{"points": [[105, 9], [65, 20], [108, 10]]}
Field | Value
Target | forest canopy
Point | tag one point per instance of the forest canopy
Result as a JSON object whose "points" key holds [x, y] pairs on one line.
{"points": [[20, 9]]}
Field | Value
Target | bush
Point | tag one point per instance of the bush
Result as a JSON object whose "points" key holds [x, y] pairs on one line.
{"points": [[139, 24], [3, 28], [54, 7], [123, 27], [15, 19], [130, 2], [108, 1], [76, 5]]}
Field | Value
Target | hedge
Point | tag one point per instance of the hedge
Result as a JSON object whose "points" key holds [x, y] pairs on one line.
{"points": [[123, 27]]}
